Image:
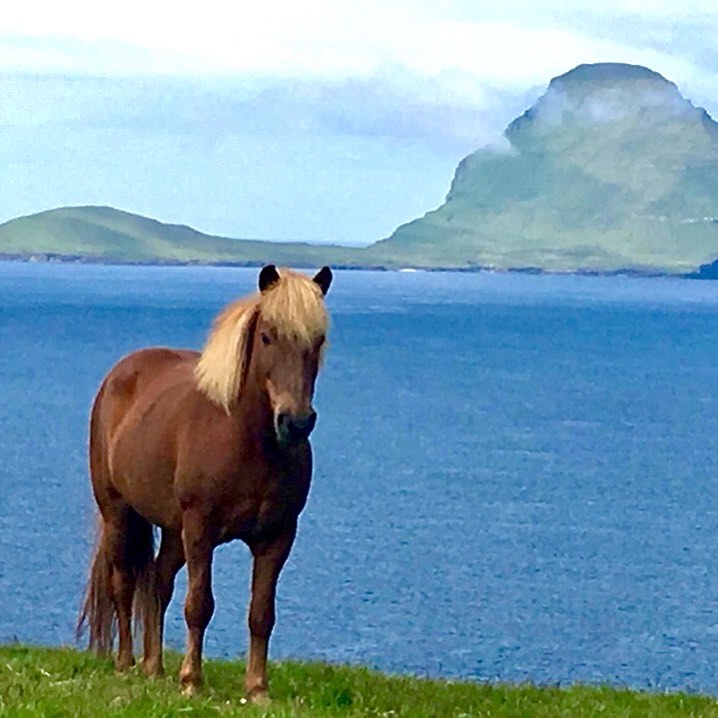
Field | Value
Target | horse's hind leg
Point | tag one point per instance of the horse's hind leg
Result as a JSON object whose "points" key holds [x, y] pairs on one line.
{"points": [[169, 561], [129, 549], [125, 551], [128, 541], [121, 582]]}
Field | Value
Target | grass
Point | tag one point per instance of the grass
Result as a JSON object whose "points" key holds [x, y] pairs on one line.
{"points": [[54, 682]]}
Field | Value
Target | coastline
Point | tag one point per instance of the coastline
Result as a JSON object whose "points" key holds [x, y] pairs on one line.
{"points": [[703, 272]]}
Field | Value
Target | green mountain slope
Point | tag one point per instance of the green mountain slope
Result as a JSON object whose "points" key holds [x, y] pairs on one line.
{"points": [[109, 234], [611, 169]]}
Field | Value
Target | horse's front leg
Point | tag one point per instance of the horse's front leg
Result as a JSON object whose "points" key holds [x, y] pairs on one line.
{"points": [[269, 557], [197, 538]]}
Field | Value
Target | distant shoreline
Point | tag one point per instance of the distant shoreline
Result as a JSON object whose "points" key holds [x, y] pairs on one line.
{"points": [[53, 258], [704, 272]]}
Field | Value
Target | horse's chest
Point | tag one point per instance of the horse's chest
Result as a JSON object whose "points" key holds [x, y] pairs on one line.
{"points": [[260, 515]]}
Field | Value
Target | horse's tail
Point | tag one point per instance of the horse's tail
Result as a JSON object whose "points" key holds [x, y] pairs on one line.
{"points": [[98, 610], [98, 613]]}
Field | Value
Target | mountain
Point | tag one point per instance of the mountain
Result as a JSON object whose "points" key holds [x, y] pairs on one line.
{"points": [[108, 234], [611, 169]]}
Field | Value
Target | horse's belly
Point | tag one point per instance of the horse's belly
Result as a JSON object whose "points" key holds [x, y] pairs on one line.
{"points": [[144, 477]]}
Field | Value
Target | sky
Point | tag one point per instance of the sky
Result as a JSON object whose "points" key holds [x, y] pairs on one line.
{"points": [[319, 120]]}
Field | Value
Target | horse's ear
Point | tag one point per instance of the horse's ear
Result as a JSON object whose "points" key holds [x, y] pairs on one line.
{"points": [[267, 277], [324, 279]]}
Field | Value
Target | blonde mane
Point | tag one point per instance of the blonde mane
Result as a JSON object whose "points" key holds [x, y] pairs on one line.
{"points": [[293, 306]]}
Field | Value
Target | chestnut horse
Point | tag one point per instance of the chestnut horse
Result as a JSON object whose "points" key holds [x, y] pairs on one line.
{"points": [[209, 447]]}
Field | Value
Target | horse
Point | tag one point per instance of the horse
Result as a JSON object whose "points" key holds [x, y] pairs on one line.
{"points": [[208, 447]]}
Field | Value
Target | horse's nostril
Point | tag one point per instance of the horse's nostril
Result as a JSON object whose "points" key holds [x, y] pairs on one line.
{"points": [[295, 428], [311, 421], [304, 426]]}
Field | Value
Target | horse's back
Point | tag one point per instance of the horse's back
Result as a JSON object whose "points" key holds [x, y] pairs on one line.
{"points": [[134, 377], [144, 366]]}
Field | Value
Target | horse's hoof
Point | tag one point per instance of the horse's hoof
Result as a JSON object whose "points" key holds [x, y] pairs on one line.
{"points": [[189, 690], [259, 697], [190, 680], [124, 663], [153, 670]]}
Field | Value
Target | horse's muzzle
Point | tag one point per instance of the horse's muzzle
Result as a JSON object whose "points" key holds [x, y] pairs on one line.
{"points": [[293, 429]]}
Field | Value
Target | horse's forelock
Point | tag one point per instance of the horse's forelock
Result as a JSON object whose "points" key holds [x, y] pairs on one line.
{"points": [[294, 308]]}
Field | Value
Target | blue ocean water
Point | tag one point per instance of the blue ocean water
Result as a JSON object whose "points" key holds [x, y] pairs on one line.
{"points": [[516, 476]]}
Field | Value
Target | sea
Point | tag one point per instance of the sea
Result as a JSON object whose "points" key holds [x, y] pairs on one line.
{"points": [[516, 476]]}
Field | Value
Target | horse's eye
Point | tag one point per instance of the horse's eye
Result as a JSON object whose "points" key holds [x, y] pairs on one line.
{"points": [[266, 340]]}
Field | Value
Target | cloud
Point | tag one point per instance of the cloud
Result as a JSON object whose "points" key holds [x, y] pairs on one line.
{"points": [[460, 65], [453, 111], [512, 44], [460, 46], [683, 48]]}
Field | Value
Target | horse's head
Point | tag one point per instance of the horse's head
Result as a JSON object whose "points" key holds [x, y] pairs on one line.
{"points": [[289, 340], [274, 341]]}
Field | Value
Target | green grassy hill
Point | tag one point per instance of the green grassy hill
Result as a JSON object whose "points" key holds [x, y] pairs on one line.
{"points": [[42, 682], [109, 234], [611, 169]]}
